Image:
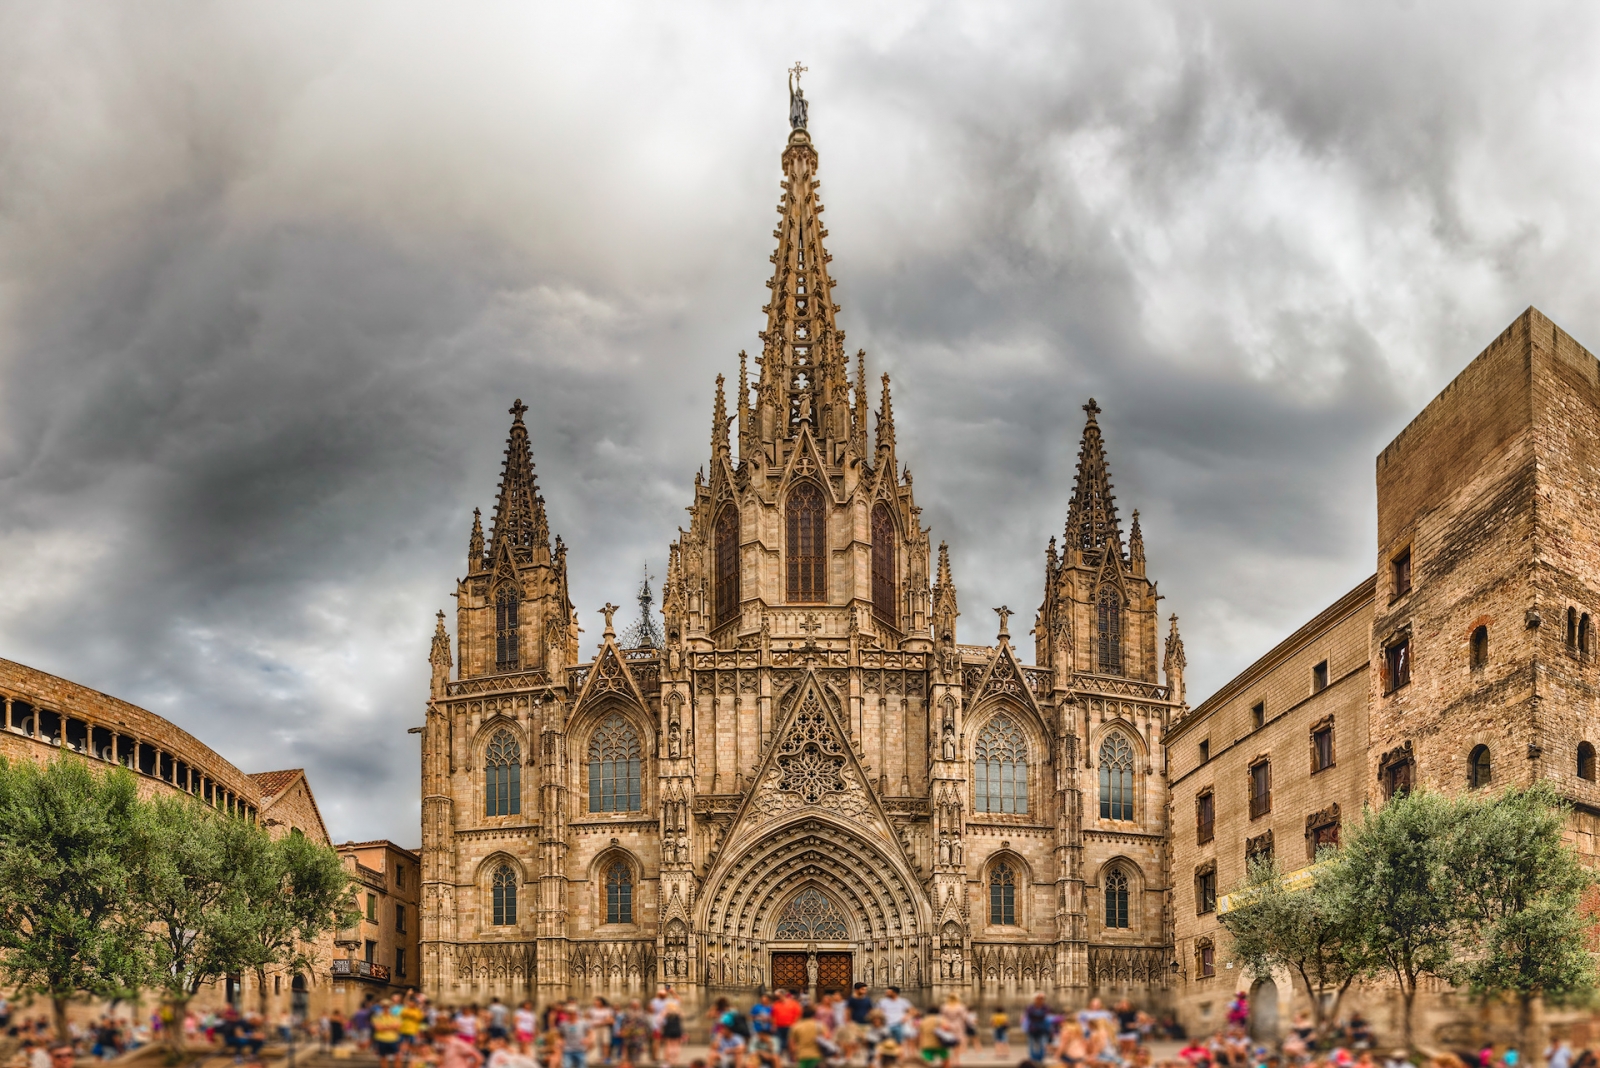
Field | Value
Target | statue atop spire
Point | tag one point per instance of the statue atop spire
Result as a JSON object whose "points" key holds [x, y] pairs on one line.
{"points": [[797, 98], [1092, 516], [519, 518]]}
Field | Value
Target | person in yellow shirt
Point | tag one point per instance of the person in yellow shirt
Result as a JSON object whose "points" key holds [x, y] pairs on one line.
{"points": [[803, 1044], [411, 1018], [386, 1032]]}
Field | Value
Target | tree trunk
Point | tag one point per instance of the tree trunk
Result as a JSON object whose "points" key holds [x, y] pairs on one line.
{"points": [[58, 1010], [1408, 995], [1529, 1040], [173, 1031]]}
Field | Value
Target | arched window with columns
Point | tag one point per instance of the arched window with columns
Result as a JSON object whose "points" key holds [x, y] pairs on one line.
{"points": [[615, 760], [1108, 621], [619, 892], [807, 544], [884, 605], [1002, 895], [727, 565], [1116, 777], [502, 776], [1000, 767], [1116, 914], [503, 894]]}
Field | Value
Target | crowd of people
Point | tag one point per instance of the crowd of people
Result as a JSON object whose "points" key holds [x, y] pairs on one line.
{"points": [[778, 1030]]}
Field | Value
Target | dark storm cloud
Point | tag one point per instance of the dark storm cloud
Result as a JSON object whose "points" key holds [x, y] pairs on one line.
{"points": [[270, 277]]}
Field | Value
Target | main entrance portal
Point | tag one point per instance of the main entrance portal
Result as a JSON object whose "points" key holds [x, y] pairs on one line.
{"points": [[792, 971]]}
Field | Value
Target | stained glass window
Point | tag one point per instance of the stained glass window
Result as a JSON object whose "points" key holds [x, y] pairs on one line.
{"points": [[502, 776], [807, 544], [883, 565], [505, 896], [1002, 896], [1116, 778], [614, 766], [1000, 767], [1109, 621], [1116, 899], [727, 565], [619, 893], [811, 915], [505, 627]]}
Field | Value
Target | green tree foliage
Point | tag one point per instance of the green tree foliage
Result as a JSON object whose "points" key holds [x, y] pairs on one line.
{"points": [[297, 890], [103, 893], [64, 836], [1304, 928], [1518, 888], [1478, 890]]}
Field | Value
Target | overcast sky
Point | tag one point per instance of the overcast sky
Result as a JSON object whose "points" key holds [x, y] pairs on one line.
{"points": [[271, 275]]}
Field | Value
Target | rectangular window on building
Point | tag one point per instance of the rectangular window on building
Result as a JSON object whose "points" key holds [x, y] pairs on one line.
{"points": [[399, 876], [1207, 964], [1324, 836], [372, 907], [1205, 750], [1319, 677], [400, 918], [1322, 746], [1258, 849], [1205, 817], [1397, 664], [1260, 788], [1400, 572], [1258, 715], [400, 963], [372, 951], [1322, 749], [1205, 890]]}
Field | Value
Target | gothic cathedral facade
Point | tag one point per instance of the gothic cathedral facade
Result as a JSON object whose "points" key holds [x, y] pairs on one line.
{"points": [[808, 780]]}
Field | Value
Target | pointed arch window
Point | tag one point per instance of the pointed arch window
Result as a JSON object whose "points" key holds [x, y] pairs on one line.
{"points": [[1116, 899], [883, 565], [614, 766], [503, 892], [619, 893], [1000, 768], [727, 565], [506, 650], [1116, 777], [807, 544], [502, 776], [1002, 896], [1109, 624]]}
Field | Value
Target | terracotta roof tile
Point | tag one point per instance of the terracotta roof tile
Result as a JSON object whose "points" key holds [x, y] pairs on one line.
{"points": [[273, 783]]}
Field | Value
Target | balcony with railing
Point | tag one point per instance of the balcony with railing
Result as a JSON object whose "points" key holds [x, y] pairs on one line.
{"points": [[360, 969]]}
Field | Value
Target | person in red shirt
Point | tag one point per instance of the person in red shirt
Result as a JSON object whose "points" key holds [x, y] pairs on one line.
{"points": [[785, 1014]]}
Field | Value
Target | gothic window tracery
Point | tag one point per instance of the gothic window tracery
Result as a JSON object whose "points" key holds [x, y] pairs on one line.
{"points": [[619, 893], [502, 776], [1108, 617], [1116, 777], [1000, 767], [727, 565], [1116, 914], [807, 544], [883, 565], [1002, 896], [506, 644], [503, 892], [811, 761], [811, 915], [614, 767]]}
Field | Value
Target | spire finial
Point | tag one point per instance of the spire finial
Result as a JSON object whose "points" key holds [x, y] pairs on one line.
{"points": [[797, 98], [886, 416], [517, 409], [1005, 615], [719, 419], [1092, 408]]}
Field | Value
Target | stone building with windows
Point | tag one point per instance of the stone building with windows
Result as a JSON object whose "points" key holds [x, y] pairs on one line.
{"points": [[377, 955], [1466, 661], [809, 780], [43, 716]]}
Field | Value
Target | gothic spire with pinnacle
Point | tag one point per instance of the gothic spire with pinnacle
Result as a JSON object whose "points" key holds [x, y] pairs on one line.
{"points": [[719, 421], [475, 543], [886, 417], [1092, 516], [1136, 545], [804, 372], [519, 519]]}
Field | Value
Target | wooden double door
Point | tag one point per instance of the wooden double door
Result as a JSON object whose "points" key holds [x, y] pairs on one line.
{"points": [[791, 971]]}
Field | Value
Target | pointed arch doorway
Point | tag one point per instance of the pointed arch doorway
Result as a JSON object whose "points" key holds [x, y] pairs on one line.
{"points": [[811, 949]]}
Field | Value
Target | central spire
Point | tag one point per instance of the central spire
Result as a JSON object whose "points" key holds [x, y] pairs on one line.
{"points": [[1092, 516], [804, 372], [519, 518]]}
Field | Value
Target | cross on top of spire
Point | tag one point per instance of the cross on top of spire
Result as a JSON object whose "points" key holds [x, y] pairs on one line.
{"points": [[1092, 408], [795, 72], [517, 409]]}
